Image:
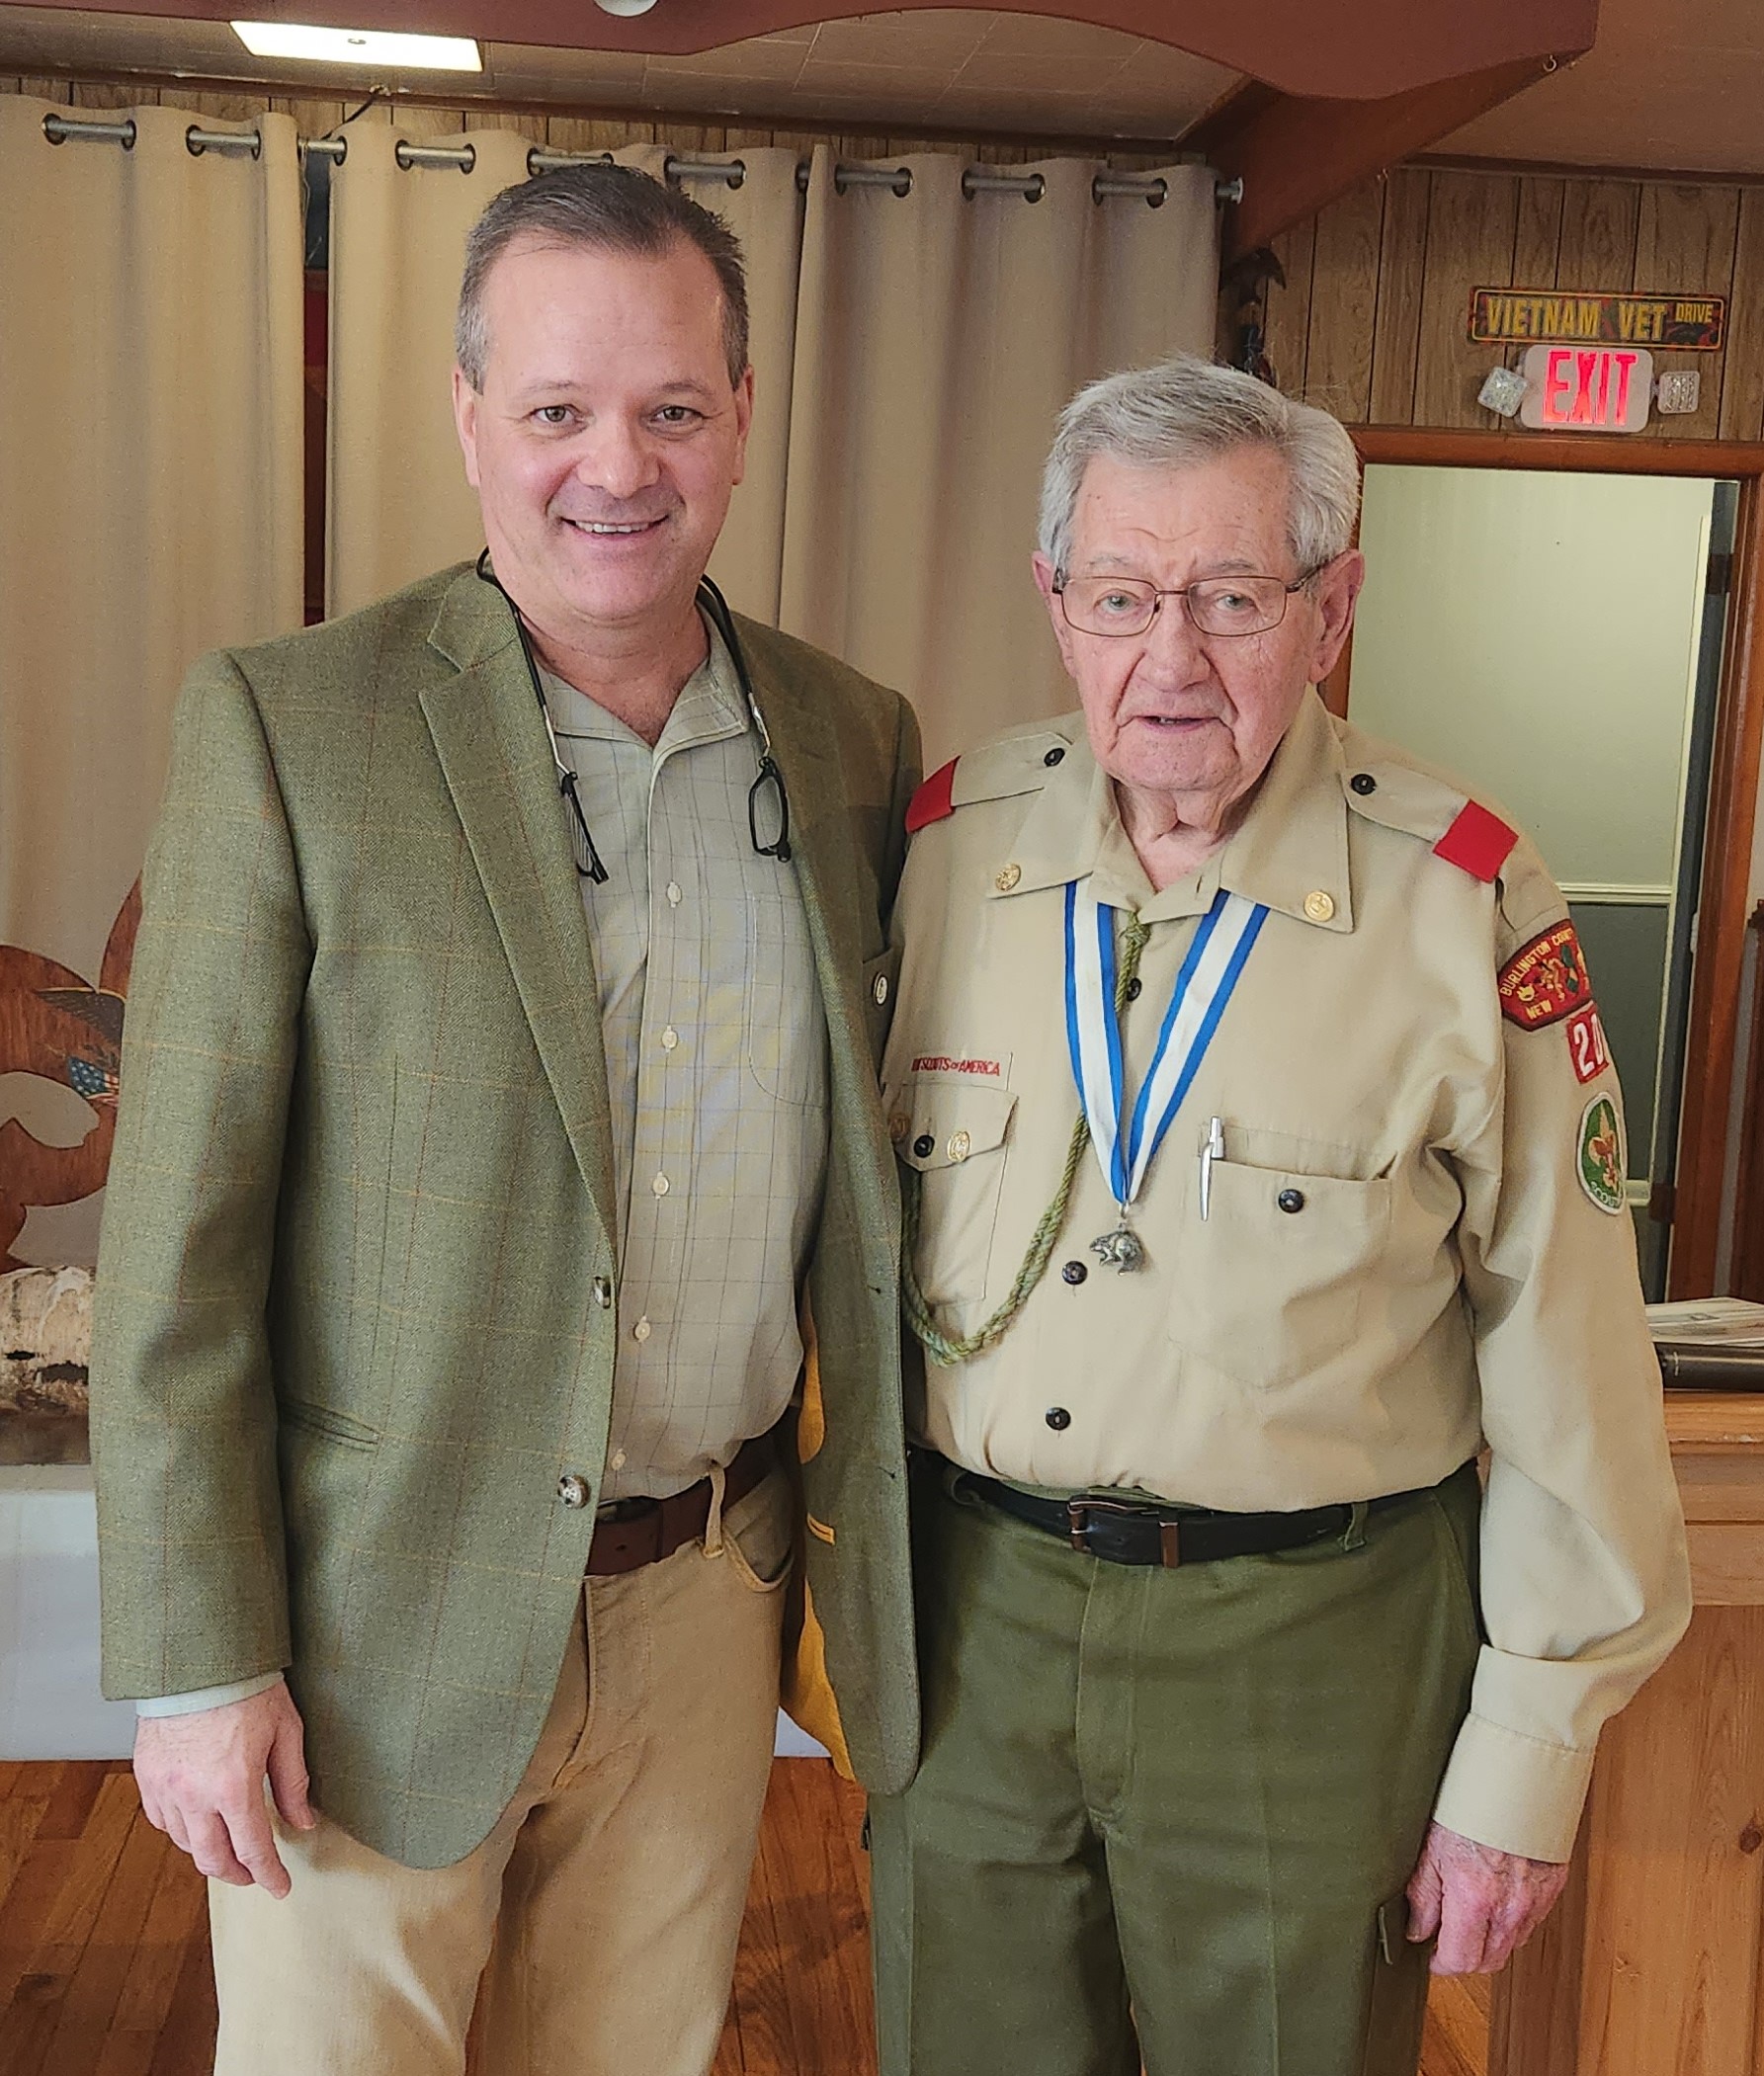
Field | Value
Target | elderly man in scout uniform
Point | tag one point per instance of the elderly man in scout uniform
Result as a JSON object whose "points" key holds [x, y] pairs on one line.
{"points": [[1263, 1163], [500, 1081]]}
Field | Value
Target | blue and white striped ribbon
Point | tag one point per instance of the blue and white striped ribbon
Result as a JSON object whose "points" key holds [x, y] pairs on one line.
{"points": [[1208, 976]]}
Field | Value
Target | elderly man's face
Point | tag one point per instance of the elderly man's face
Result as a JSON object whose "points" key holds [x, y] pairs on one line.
{"points": [[1174, 711], [607, 438]]}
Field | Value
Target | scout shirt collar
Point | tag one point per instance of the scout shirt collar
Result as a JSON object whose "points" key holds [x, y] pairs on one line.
{"points": [[1291, 849]]}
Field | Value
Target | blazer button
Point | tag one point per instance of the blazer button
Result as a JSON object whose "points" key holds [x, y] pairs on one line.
{"points": [[879, 988], [572, 1491], [603, 1291]]}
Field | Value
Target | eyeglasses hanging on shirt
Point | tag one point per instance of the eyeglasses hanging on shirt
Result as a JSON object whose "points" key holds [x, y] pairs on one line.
{"points": [[768, 804]]}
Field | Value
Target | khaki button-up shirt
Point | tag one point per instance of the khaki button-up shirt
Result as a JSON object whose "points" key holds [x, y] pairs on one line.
{"points": [[1400, 1259], [717, 1078]]}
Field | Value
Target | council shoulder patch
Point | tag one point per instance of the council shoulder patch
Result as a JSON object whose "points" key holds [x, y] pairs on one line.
{"points": [[1599, 1159], [1545, 980], [934, 799]]}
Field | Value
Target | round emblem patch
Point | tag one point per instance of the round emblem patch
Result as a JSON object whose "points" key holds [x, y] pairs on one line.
{"points": [[1599, 1160]]}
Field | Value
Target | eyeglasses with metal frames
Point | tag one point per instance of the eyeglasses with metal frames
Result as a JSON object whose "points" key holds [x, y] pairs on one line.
{"points": [[1122, 607]]}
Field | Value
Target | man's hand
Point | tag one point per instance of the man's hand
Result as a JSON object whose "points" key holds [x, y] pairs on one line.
{"points": [[201, 1783], [1483, 1904]]}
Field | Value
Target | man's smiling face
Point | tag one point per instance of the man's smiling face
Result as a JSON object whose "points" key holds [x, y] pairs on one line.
{"points": [[607, 438]]}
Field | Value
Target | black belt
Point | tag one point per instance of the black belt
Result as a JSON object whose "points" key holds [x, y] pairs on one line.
{"points": [[1131, 1531]]}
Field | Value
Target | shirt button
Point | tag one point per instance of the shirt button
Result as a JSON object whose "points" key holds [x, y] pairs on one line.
{"points": [[960, 1143], [924, 1145], [572, 1491], [670, 1037], [603, 1291], [880, 989], [1319, 906], [897, 1128], [1135, 987], [660, 1186], [1052, 758], [1075, 1272], [642, 1331], [618, 1460], [1058, 1419], [675, 896], [1290, 1200]]}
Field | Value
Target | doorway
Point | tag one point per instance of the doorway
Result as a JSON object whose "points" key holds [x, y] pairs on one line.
{"points": [[1556, 638]]}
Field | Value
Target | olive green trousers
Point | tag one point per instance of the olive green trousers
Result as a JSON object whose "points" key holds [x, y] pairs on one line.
{"points": [[1168, 1816]]}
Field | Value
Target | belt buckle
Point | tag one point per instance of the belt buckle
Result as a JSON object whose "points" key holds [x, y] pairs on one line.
{"points": [[1169, 1534]]}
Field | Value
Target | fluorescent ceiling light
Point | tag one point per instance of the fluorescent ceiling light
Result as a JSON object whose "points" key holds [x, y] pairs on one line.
{"points": [[360, 46]]}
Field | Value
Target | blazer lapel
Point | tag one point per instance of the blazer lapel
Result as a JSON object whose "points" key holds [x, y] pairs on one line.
{"points": [[824, 844], [490, 738]]}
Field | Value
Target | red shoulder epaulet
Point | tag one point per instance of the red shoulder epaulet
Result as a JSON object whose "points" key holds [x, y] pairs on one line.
{"points": [[934, 799], [1477, 842]]}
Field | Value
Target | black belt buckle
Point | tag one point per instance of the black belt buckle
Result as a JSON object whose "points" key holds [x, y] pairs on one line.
{"points": [[1080, 1511]]}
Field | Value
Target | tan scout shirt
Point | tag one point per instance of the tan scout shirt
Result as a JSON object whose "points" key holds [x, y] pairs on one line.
{"points": [[717, 1079], [1400, 1261]]}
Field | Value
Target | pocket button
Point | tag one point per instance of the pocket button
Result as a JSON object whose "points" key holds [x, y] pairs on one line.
{"points": [[1290, 1200]]}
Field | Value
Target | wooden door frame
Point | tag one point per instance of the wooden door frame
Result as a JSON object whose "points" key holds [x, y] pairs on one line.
{"points": [[1722, 911]]}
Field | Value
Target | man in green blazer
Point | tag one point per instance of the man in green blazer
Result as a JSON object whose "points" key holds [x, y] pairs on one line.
{"points": [[499, 1163]]}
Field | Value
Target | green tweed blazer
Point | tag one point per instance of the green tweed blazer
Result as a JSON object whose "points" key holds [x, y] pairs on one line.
{"points": [[347, 1339]]}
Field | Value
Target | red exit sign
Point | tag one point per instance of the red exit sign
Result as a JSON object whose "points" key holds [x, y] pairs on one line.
{"points": [[1587, 388]]}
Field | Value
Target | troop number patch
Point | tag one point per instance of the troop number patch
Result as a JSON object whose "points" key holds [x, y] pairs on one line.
{"points": [[1600, 1160], [1586, 1045], [1545, 980]]}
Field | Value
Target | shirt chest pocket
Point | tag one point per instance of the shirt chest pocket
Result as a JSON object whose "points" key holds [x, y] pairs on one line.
{"points": [[1277, 1280], [952, 1138], [786, 1028]]}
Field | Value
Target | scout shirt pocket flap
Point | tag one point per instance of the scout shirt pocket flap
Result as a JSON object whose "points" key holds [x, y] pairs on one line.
{"points": [[1277, 1273], [952, 1136]]}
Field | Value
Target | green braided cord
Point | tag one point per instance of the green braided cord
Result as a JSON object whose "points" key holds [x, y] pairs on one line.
{"points": [[942, 1347]]}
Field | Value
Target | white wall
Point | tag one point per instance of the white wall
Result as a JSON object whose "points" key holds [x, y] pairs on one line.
{"points": [[1536, 633]]}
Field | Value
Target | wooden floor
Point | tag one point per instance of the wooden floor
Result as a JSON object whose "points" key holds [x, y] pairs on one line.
{"points": [[104, 1946]]}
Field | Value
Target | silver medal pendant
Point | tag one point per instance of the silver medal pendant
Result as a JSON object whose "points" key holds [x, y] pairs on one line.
{"points": [[1119, 1249]]}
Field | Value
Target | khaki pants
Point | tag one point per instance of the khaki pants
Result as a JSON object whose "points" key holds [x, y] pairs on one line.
{"points": [[602, 1912], [1169, 1816]]}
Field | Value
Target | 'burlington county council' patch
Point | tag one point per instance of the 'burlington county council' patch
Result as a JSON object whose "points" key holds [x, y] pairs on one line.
{"points": [[1545, 980], [1599, 1160]]}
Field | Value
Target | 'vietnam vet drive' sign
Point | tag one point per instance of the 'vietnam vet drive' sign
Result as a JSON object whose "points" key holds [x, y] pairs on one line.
{"points": [[1519, 316]]}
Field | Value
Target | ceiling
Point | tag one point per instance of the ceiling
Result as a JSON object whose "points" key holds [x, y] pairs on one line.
{"points": [[1674, 84], [956, 69]]}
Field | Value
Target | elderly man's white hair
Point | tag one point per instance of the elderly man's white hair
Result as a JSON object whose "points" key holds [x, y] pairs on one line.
{"points": [[1186, 410]]}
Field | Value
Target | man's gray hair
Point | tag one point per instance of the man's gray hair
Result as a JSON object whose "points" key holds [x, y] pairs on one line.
{"points": [[1186, 410], [603, 208]]}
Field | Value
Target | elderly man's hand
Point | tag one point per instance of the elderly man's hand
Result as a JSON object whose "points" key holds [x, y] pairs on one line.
{"points": [[201, 1783], [1483, 1904]]}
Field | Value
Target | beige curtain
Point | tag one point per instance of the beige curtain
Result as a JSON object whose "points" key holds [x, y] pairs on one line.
{"points": [[937, 339], [910, 355], [150, 501], [400, 505]]}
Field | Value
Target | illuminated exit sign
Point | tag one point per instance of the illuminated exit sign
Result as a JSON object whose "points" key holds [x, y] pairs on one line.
{"points": [[1586, 389]]}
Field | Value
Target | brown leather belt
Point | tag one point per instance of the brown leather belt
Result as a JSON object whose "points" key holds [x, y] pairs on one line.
{"points": [[644, 1530]]}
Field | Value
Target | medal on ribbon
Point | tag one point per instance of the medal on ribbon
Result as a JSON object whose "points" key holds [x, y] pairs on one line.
{"points": [[1126, 1146]]}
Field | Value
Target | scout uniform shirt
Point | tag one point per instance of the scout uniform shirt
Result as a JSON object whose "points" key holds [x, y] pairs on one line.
{"points": [[1416, 1237]]}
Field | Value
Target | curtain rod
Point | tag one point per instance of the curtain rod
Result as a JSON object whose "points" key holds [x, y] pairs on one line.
{"points": [[976, 180]]}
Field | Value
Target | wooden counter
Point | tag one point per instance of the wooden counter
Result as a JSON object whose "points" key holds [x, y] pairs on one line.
{"points": [[1652, 1963]]}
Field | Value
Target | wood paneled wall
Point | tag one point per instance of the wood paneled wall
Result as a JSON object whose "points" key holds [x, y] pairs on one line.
{"points": [[557, 130], [1372, 321]]}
